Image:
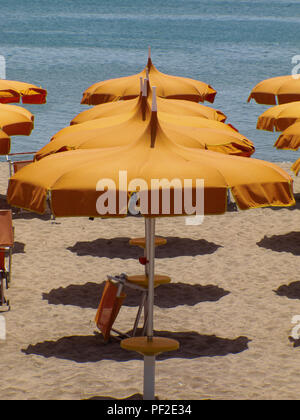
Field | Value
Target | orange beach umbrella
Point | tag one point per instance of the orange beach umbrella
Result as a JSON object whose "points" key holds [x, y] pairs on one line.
{"points": [[126, 128], [279, 117], [169, 87], [172, 106], [281, 90], [95, 183], [289, 138], [285, 118], [153, 154], [14, 120], [14, 91]]}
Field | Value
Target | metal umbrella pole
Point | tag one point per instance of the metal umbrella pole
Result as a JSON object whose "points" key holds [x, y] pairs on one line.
{"points": [[149, 360]]}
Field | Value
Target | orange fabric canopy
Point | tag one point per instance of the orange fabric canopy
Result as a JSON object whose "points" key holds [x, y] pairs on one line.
{"points": [[296, 167], [70, 179], [127, 127], [290, 138], [279, 117], [169, 87], [172, 106], [4, 143], [14, 91], [15, 120], [284, 89]]}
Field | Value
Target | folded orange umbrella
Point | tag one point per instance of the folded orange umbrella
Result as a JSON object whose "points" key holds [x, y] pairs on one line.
{"points": [[281, 90], [169, 87], [14, 91]]}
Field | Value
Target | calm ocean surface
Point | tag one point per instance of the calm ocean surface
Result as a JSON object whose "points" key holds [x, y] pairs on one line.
{"points": [[65, 46]]}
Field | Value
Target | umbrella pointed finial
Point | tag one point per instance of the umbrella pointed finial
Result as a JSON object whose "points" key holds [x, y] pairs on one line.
{"points": [[154, 121]]}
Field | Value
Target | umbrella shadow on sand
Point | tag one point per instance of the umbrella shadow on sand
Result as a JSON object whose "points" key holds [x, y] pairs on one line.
{"points": [[92, 349], [166, 296], [120, 248], [289, 242], [18, 248], [291, 291]]}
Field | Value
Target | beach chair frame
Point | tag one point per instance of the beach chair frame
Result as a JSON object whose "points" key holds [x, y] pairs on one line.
{"points": [[122, 281], [6, 250], [16, 165]]}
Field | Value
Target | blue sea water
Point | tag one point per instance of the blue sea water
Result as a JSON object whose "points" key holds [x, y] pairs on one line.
{"points": [[65, 46]]}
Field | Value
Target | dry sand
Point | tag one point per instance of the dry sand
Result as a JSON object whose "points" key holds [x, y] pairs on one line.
{"points": [[235, 289]]}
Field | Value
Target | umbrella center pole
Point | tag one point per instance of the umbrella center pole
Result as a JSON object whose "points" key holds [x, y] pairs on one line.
{"points": [[149, 378], [150, 255]]}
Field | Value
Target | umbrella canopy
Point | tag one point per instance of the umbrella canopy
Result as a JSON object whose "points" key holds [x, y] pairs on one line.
{"points": [[173, 106], [290, 138], [281, 90], [14, 91], [15, 120], [296, 167], [279, 117], [126, 128], [4, 143], [169, 87], [154, 154]]}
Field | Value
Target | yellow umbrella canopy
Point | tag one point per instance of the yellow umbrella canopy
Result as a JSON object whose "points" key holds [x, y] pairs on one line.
{"points": [[4, 143], [15, 120], [296, 167], [127, 127], [15, 91], [169, 87], [71, 177], [281, 90], [290, 138], [279, 117], [173, 106]]}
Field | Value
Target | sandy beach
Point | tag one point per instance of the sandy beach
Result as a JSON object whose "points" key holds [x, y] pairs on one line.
{"points": [[235, 289]]}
